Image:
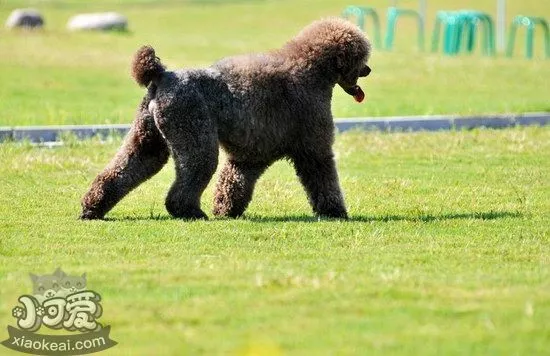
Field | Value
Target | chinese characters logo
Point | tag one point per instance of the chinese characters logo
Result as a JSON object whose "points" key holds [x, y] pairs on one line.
{"points": [[59, 301]]}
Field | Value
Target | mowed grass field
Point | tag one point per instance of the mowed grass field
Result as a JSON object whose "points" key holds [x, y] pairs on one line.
{"points": [[447, 251], [57, 77]]}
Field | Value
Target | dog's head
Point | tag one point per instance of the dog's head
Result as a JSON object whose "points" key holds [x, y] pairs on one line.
{"points": [[340, 51], [351, 60]]}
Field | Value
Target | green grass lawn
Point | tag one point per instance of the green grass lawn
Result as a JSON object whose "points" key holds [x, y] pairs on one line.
{"points": [[447, 251], [56, 77]]}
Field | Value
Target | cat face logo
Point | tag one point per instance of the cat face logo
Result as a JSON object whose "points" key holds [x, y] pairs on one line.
{"points": [[57, 284], [59, 301]]}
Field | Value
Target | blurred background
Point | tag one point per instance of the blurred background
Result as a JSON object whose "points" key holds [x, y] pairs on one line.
{"points": [[56, 76]]}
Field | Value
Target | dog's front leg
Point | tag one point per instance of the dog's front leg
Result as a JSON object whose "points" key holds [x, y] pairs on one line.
{"points": [[317, 173]]}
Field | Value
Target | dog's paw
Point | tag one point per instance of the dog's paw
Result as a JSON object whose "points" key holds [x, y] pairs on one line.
{"points": [[333, 215], [188, 214], [88, 214]]}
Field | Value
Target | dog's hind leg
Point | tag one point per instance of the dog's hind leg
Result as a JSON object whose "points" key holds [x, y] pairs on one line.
{"points": [[143, 153], [235, 187], [194, 146], [317, 173]]}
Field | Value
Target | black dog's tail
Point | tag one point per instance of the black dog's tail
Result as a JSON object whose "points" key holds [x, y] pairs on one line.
{"points": [[146, 66]]}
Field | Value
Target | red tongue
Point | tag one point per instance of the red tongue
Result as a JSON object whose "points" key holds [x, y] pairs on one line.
{"points": [[359, 95]]}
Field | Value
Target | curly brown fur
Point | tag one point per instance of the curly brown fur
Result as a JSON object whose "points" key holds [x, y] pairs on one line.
{"points": [[259, 108], [146, 66], [142, 155]]}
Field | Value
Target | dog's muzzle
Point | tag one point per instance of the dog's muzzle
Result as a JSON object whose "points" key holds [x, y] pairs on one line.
{"points": [[354, 89]]}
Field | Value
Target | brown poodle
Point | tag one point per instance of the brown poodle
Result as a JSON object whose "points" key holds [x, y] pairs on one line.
{"points": [[259, 108]]}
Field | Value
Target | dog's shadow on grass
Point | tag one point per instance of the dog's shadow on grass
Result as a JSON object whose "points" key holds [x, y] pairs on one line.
{"points": [[139, 218], [491, 215], [425, 218]]}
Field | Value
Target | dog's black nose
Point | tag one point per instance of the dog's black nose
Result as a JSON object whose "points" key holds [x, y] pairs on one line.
{"points": [[365, 71]]}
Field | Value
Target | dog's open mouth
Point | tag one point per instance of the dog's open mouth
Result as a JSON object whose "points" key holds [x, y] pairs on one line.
{"points": [[356, 92]]}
